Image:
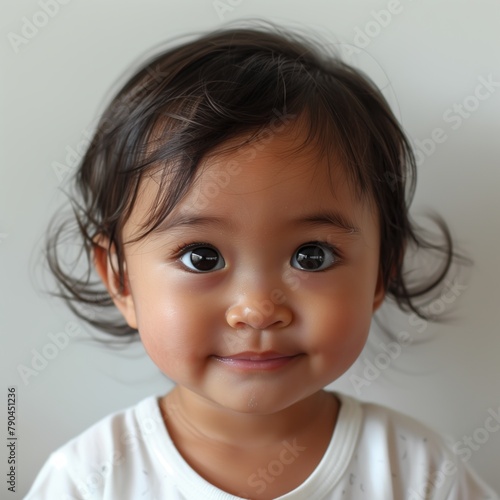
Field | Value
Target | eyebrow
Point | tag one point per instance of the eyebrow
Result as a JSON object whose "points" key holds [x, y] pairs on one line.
{"points": [[325, 218], [179, 221], [330, 218]]}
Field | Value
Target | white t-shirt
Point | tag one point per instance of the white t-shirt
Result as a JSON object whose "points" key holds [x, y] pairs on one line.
{"points": [[375, 454]]}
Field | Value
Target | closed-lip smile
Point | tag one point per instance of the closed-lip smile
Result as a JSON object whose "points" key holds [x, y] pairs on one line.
{"points": [[250, 360]]}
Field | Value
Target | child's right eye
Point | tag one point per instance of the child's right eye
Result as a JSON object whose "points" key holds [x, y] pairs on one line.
{"points": [[201, 258]]}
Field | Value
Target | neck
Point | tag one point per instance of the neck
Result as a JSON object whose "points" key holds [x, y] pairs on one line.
{"points": [[214, 440], [190, 416]]}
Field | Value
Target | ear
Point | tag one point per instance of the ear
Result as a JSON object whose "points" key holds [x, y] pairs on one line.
{"points": [[379, 295], [103, 260]]}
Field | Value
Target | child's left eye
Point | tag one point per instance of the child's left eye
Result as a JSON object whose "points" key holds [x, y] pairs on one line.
{"points": [[314, 257], [202, 258]]}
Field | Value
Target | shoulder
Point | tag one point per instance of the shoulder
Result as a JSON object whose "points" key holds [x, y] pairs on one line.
{"points": [[105, 453], [401, 429], [412, 456], [108, 440], [387, 435]]}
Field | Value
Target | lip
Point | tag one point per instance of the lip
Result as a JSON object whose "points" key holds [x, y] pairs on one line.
{"points": [[268, 360]]}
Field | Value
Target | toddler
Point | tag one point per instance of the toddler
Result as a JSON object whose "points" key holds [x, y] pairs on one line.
{"points": [[245, 203]]}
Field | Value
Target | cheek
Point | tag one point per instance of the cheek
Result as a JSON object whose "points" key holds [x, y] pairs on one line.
{"points": [[342, 331], [338, 323], [165, 324], [173, 324]]}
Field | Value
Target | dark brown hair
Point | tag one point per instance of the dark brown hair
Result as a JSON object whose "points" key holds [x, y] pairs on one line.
{"points": [[229, 84]]}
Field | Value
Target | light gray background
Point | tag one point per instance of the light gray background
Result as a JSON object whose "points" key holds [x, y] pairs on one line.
{"points": [[428, 56]]}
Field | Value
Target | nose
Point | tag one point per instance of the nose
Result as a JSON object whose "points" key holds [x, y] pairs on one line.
{"points": [[259, 314]]}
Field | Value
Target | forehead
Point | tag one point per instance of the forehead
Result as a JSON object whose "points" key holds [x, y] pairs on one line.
{"points": [[282, 166], [262, 177]]}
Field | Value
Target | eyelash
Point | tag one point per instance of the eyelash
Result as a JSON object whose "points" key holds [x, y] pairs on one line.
{"points": [[335, 251], [182, 248]]}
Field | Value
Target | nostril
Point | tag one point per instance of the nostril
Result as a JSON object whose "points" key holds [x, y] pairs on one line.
{"points": [[241, 316]]}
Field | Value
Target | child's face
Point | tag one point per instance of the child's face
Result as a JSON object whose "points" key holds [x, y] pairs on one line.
{"points": [[259, 219]]}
